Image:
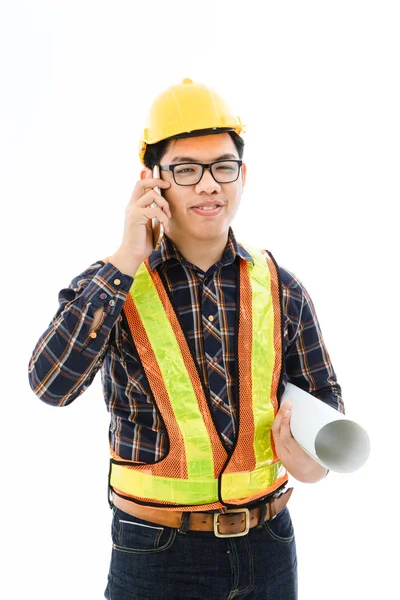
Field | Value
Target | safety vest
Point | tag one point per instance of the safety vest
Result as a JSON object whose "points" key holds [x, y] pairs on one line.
{"points": [[198, 473]]}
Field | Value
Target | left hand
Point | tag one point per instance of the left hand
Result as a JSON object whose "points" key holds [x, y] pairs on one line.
{"points": [[296, 460]]}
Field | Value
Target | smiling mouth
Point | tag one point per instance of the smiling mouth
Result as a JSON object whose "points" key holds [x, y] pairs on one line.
{"points": [[210, 210], [213, 207]]}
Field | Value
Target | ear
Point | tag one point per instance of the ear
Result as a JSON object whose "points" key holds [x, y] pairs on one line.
{"points": [[146, 173], [244, 172]]}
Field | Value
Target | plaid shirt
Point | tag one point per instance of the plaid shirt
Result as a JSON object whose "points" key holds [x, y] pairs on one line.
{"points": [[66, 358]]}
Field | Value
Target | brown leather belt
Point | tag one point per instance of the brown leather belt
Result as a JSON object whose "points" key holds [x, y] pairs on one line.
{"points": [[232, 523]]}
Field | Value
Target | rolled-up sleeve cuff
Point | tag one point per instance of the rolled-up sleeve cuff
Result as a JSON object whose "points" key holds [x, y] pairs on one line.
{"points": [[108, 287]]}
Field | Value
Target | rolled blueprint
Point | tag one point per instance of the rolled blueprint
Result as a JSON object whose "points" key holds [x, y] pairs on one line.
{"points": [[332, 439]]}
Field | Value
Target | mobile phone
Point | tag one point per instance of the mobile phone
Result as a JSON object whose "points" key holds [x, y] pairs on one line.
{"points": [[157, 227]]}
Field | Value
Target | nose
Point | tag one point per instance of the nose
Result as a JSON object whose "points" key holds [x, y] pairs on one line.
{"points": [[207, 184]]}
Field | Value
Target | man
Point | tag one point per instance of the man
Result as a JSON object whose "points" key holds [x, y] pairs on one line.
{"points": [[196, 341]]}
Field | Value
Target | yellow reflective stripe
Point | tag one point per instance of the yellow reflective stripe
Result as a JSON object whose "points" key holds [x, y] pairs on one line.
{"points": [[246, 483], [152, 487], [199, 457], [263, 358]]}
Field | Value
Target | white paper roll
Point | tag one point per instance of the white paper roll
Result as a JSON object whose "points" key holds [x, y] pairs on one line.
{"points": [[332, 439]]}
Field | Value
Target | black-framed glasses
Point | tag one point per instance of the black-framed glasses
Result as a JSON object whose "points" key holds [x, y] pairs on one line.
{"points": [[223, 171]]}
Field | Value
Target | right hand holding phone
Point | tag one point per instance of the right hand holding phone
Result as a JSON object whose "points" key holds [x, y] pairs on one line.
{"points": [[137, 241]]}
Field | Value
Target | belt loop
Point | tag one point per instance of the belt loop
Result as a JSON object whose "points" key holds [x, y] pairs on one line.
{"points": [[184, 528], [263, 509], [272, 509], [109, 488]]}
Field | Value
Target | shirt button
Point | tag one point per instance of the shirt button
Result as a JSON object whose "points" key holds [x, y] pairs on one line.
{"points": [[210, 318], [112, 302], [103, 296], [117, 281], [93, 334]]}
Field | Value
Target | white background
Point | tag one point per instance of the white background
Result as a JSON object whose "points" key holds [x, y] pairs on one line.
{"points": [[317, 84]]}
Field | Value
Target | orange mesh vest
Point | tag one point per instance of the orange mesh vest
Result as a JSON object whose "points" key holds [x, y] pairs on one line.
{"points": [[198, 473]]}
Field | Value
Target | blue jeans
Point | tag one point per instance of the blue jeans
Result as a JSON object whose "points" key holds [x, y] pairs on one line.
{"points": [[150, 562]]}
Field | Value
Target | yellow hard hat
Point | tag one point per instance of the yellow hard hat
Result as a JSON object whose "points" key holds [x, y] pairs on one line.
{"points": [[185, 108]]}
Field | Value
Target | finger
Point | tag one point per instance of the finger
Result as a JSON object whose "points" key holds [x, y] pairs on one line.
{"points": [[152, 212], [145, 184], [276, 425], [285, 432], [280, 413], [154, 197], [286, 405], [281, 425]]}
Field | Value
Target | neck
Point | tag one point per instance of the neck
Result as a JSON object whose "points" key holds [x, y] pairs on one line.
{"points": [[202, 253]]}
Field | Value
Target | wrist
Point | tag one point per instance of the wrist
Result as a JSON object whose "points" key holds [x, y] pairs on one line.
{"points": [[128, 265], [315, 472], [307, 470]]}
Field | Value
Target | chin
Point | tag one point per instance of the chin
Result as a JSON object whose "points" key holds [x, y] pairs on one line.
{"points": [[209, 233], [203, 232]]}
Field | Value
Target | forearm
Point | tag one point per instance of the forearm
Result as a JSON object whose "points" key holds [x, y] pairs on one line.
{"points": [[125, 265], [69, 353], [307, 471], [307, 364], [307, 361], [301, 465]]}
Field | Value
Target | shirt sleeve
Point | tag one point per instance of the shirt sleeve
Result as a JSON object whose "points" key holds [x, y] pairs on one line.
{"points": [[306, 358], [68, 355]]}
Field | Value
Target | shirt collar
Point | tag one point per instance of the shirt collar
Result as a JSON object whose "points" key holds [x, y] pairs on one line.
{"points": [[168, 252]]}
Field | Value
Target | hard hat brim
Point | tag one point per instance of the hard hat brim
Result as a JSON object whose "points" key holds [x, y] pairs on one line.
{"points": [[187, 134]]}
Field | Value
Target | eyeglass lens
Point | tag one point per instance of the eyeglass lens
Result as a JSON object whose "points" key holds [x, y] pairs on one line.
{"points": [[223, 172]]}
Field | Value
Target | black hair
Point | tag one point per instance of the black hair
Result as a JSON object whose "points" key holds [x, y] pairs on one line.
{"points": [[155, 152]]}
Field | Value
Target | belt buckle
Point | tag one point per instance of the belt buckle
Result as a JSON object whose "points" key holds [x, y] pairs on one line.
{"points": [[232, 510]]}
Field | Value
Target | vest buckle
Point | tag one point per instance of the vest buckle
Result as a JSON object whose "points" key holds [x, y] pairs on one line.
{"points": [[244, 511]]}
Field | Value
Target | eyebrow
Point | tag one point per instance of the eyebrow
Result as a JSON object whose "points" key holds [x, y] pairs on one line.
{"points": [[179, 159]]}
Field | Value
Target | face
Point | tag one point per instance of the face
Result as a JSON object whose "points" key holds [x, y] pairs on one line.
{"points": [[189, 221]]}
